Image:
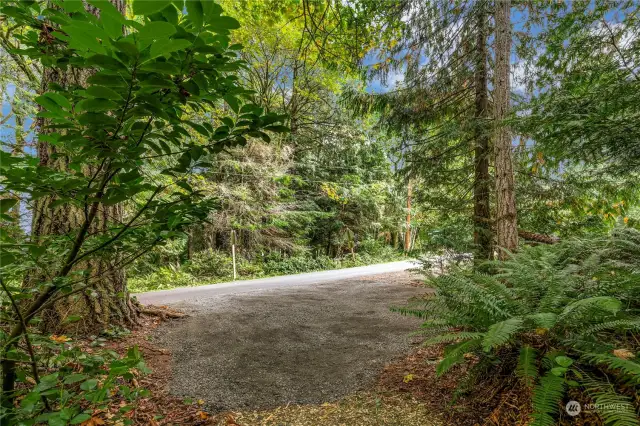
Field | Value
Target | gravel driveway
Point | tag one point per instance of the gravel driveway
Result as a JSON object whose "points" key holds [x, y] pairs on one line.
{"points": [[291, 345]]}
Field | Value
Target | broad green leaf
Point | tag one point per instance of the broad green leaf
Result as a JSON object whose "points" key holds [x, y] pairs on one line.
{"points": [[170, 13], [47, 103], [104, 79], [74, 378], [198, 128], [89, 384], [156, 30], [107, 62], [103, 92], [563, 361], [71, 6], [223, 23], [149, 7], [161, 67], [127, 47], [163, 47], [112, 26], [59, 99], [80, 418], [6, 204], [195, 12], [233, 102], [95, 105]]}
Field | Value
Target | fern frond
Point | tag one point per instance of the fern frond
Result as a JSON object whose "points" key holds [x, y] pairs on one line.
{"points": [[543, 319], [527, 369], [546, 399], [615, 409], [627, 368], [613, 325], [453, 337], [500, 333], [454, 354], [597, 303], [410, 312]]}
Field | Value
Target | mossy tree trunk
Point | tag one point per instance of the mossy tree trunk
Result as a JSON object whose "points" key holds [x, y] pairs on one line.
{"points": [[482, 233], [106, 301]]}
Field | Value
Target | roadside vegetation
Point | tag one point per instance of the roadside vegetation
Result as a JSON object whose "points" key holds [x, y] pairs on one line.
{"points": [[144, 142], [210, 267]]}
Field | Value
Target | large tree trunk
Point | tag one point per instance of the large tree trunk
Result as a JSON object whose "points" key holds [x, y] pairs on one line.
{"points": [[107, 302], [506, 215], [482, 234]]}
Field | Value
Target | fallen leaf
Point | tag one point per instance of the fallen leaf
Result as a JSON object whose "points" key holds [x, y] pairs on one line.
{"points": [[93, 421], [623, 353], [59, 339]]}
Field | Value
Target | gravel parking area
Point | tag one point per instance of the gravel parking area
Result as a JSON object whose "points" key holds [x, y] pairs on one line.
{"points": [[309, 344]]}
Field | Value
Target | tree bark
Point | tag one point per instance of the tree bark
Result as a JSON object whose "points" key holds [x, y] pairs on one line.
{"points": [[482, 233], [107, 302], [506, 214], [407, 231]]}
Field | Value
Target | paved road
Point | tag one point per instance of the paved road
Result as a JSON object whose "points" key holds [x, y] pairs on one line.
{"points": [[207, 291]]}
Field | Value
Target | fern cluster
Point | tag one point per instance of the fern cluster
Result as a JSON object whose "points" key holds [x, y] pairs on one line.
{"points": [[567, 315]]}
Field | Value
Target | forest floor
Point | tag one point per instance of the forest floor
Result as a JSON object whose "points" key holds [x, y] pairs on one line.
{"points": [[325, 354]]}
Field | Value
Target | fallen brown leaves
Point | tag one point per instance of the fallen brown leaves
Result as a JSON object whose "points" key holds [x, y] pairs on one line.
{"points": [[161, 408], [497, 400], [361, 409]]}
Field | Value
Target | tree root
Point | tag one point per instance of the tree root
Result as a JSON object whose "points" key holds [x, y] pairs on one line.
{"points": [[160, 311]]}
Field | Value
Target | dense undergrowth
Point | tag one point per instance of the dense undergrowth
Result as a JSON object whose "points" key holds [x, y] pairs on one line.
{"points": [[564, 318], [213, 266]]}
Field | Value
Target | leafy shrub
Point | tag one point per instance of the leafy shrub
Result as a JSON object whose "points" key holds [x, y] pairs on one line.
{"points": [[165, 277], [210, 264], [373, 247], [564, 316], [280, 265], [75, 384]]}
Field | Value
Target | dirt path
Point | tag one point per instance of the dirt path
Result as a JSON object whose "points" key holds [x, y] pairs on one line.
{"points": [[309, 344]]}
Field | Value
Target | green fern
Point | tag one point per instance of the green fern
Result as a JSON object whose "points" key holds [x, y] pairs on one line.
{"points": [[629, 369], [543, 319], [546, 400], [500, 333], [453, 337], [527, 369], [613, 408], [607, 304], [583, 294], [455, 354], [612, 325]]}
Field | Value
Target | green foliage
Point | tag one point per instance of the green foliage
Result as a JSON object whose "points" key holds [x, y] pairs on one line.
{"points": [[120, 134], [546, 399], [527, 368], [562, 314], [214, 266], [82, 383]]}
